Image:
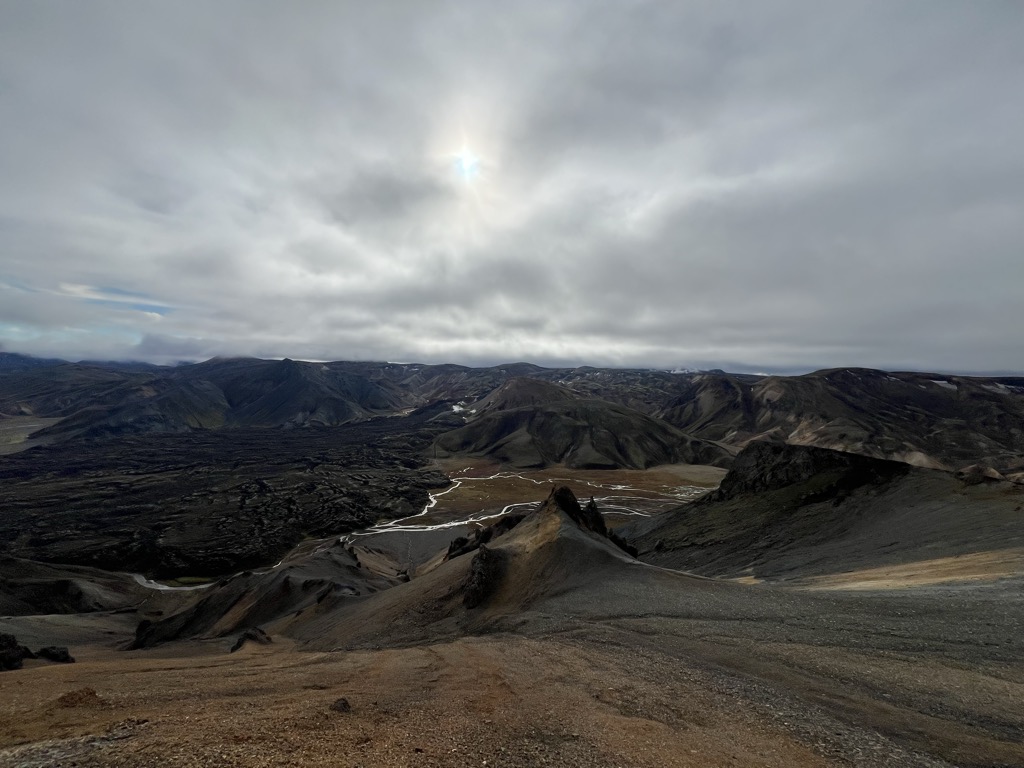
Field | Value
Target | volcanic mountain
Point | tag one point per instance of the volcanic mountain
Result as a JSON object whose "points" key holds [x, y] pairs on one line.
{"points": [[528, 423], [931, 420], [233, 393]]}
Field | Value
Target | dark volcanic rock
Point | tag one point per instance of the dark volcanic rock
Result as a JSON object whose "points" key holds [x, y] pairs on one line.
{"points": [[57, 653], [341, 705], [588, 517], [561, 497], [547, 556], [253, 635], [485, 574], [209, 503], [463, 545], [776, 498], [11, 653], [764, 466], [591, 517], [227, 393]]}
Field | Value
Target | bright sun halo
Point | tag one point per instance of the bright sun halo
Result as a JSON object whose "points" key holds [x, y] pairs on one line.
{"points": [[467, 165]]}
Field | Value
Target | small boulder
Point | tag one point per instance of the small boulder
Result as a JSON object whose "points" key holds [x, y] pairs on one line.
{"points": [[56, 653], [457, 547], [11, 654], [83, 697], [341, 705]]}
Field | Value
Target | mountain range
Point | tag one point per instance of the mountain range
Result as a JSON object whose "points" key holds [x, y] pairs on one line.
{"points": [[514, 412]]}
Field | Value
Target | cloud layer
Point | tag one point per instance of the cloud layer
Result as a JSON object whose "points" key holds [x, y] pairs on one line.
{"points": [[777, 186]]}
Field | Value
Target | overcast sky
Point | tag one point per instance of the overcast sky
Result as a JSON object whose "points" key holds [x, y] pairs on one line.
{"points": [[757, 185]]}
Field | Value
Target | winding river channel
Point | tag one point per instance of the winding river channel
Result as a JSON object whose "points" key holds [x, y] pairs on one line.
{"points": [[617, 499]]}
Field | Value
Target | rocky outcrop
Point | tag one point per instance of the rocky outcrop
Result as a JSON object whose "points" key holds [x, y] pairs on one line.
{"points": [[787, 511], [485, 574], [588, 517], [976, 474], [251, 635], [13, 654], [57, 653], [765, 466], [462, 545]]}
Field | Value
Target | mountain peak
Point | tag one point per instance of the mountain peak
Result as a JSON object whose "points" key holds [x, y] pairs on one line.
{"points": [[563, 499], [523, 391]]}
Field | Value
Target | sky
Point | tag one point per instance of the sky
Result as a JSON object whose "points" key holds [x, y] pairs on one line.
{"points": [[771, 186]]}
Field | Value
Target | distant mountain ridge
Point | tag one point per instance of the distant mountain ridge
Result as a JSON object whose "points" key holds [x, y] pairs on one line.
{"points": [[12, 361], [925, 419], [529, 423]]}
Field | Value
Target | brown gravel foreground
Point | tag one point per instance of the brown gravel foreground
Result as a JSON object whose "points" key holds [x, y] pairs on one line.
{"points": [[493, 701]]}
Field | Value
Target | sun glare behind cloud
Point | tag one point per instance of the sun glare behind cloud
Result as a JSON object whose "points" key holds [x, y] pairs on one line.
{"points": [[467, 164]]}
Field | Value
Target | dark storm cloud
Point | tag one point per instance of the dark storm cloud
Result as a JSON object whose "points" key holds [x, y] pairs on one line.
{"points": [[781, 186]]}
